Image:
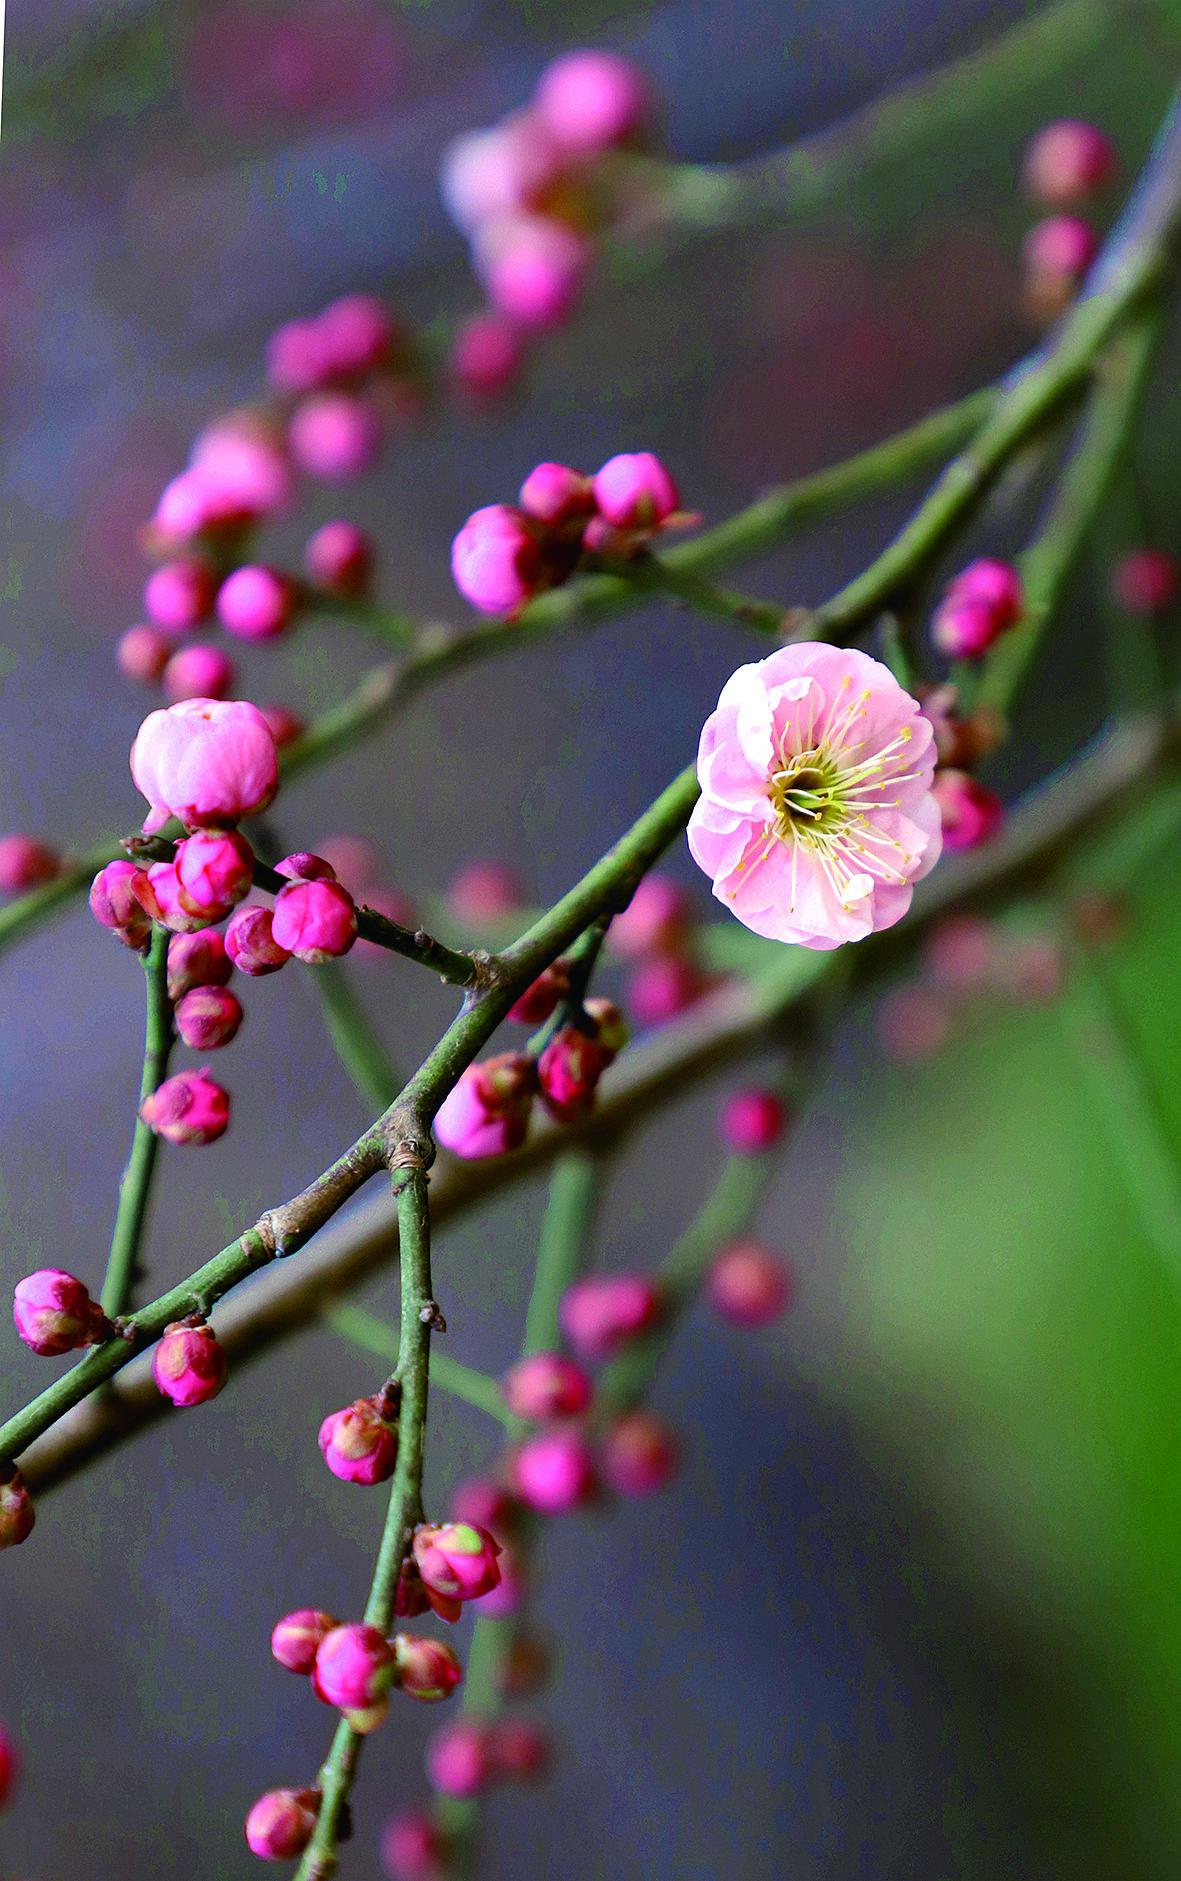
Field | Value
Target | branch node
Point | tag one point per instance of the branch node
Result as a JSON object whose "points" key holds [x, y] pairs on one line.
{"points": [[430, 1315]]}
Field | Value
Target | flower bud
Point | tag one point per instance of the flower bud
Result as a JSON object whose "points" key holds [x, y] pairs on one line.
{"points": [[208, 1017], [488, 175], [971, 814], [358, 1444], [486, 358], [54, 1313], [199, 672], [569, 1070], [600, 1313], [189, 1365], [354, 1667], [753, 1121], [485, 892], [334, 436], [198, 959], [305, 867], [1068, 162], [167, 898], [179, 595], [413, 1597], [315, 921], [339, 559], [593, 101], [256, 602], [282, 1823], [458, 1758], [457, 1559], [519, 1749], [660, 988], [1061, 248], [296, 1638], [533, 268], [635, 493], [546, 1384], [537, 1002], [496, 560], [656, 920], [9, 1766], [748, 1285], [487, 1112], [982, 602], [17, 1514], [638, 1454], [122, 899], [187, 1108], [558, 498], [484, 1503], [209, 762], [959, 952], [427, 1669], [1146, 581], [215, 869], [251, 944], [553, 1472], [358, 333], [142, 653], [25, 863], [414, 1848]]}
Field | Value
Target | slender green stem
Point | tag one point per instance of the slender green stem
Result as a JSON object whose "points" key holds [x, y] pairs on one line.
{"points": [[373, 617], [657, 574], [135, 1187], [565, 1229], [365, 1329], [354, 1035]]}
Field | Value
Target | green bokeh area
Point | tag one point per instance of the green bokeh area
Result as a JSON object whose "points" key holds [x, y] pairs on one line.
{"points": [[1011, 1349]]}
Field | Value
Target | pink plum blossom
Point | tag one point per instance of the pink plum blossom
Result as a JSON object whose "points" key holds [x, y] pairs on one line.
{"points": [[748, 1285], [458, 1758], [354, 1666], [488, 1110], [486, 357], [656, 919], [635, 493], [601, 1312], [168, 905], [359, 1444], [339, 559], [457, 1559], [638, 1454], [553, 1472], [215, 869], [335, 436], [256, 602], [198, 959], [208, 1017], [546, 1384], [971, 813], [1068, 161], [209, 762], [179, 595], [414, 1848], [816, 816], [533, 268], [1060, 248], [122, 898], [753, 1120], [497, 560], [492, 174]]}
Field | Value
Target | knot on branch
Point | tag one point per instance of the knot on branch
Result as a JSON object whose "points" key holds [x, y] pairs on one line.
{"points": [[409, 1147], [430, 1314]]}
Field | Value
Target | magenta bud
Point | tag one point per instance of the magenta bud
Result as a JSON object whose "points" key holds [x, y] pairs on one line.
{"points": [[17, 1514], [54, 1313], [458, 1758], [189, 1365], [199, 672], [1068, 162], [208, 1017], [488, 1110], [533, 268], [497, 561], [983, 601], [358, 333], [25, 863], [569, 1070], [1060, 248], [656, 920], [638, 1454], [339, 559], [414, 1848], [553, 1472], [427, 1669], [315, 921], [305, 867], [660, 988], [635, 493], [546, 1384], [358, 1444], [209, 762], [172, 909], [600, 1313], [748, 1285], [214, 869], [179, 595], [354, 1667], [334, 436], [519, 1749], [537, 1002], [486, 358], [198, 959], [753, 1121], [251, 943], [142, 654], [187, 1108], [484, 1503], [285, 725], [1146, 581], [295, 1639], [593, 101], [485, 892], [971, 814], [282, 1823], [122, 898], [964, 630], [457, 1559], [558, 498], [9, 1764], [256, 602]]}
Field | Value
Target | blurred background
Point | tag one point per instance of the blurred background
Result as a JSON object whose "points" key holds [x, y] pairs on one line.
{"points": [[911, 1609]]}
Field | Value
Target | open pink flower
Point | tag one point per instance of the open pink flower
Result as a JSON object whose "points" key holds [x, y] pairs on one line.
{"points": [[816, 816]]}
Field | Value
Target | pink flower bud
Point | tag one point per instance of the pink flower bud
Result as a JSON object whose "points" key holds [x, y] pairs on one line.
{"points": [[664, 986], [199, 673], [457, 1559], [297, 356], [208, 1017], [971, 814], [1031, 970], [1060, 248], [458, 1759], [753, 1121], [486, 358], [142, 654], [189, 1365], [533, 268], [413, 1596], [414, 1848], [339, 559], [656, 920], [215, 869], [359, 1444], [172, 908], [912, 1024], [959, 952], [256, 602], [996, 585], [251, 944], [635, 493], [638, 1454], [557, 497], [600, 1313], [546, 1384], [315, 921], [25, 863], [519, 1749], [206, 761], [242, 457], [593, 101], [493, 174], [964, 630], [1067, 162], [295, 1639], [484, 1503], [427, 1669], [748, 1285], [198, 959], [194, 504], [179, 595], [9, 1765], [187, 1108], [553, 1472], [485, 892], [569, 1070], [1145, 581], [54, 1313], [541, 998], [488, 1111], [282, 1823], [122, 898], [496, 560], [354, 1667], [303, 866], [358, 334], [335, 436], [17, 1514], [285, 725]]}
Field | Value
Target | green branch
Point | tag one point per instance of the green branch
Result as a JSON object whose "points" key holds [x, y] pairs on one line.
{"points": [[364, 1329], [135, 1187], [355, 1038]]}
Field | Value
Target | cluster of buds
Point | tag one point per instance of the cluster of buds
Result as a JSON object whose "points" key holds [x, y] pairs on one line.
{"points": [[1067, 165], [970, 813], [969, 958], [467, 1757], [530, 194], [506, 553], [654, 936]]}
